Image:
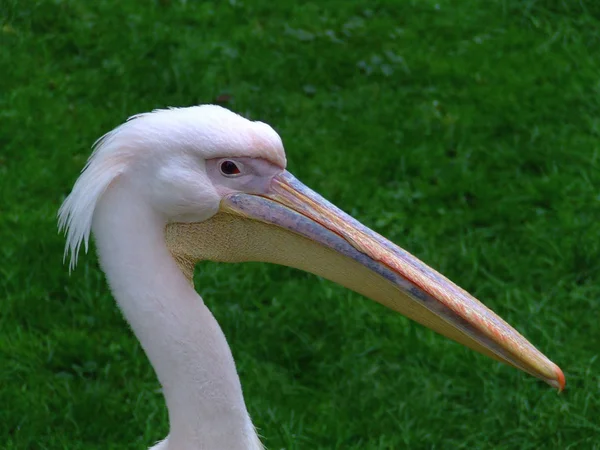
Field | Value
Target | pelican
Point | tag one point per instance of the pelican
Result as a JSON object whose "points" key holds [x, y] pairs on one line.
{"points": [[170, 188]]}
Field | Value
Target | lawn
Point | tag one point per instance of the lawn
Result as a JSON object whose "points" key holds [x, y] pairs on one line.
{"points": [[466, 131]]}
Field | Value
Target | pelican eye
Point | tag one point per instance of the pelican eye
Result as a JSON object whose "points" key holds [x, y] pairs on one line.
{"points": [[229, 168]]}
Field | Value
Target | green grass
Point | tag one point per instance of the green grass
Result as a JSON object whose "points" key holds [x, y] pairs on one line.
{"points": [[466, 131]]}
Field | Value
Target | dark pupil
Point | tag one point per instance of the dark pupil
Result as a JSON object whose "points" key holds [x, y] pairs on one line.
{"points": [[229, 168]]}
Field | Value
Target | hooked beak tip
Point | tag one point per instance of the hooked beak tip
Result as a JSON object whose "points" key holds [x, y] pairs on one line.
{"points": [[560, 379]]}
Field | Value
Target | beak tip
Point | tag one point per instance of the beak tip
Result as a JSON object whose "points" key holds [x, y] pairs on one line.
{"points": [[558, 382], [560, 378]]}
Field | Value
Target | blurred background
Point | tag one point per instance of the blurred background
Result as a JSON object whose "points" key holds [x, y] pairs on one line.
{"points": [[466, 131]]}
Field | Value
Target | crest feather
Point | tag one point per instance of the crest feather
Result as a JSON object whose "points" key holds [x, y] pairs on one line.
{"points": [[75, 215]]}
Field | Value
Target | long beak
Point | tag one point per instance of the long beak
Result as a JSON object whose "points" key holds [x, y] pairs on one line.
{"points": [[294, 226]]}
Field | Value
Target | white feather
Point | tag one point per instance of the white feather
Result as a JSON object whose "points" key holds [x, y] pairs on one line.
{"points": [[76, 213]]}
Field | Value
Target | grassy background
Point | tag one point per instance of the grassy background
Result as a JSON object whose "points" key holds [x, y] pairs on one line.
{"points": [[465, 130]]}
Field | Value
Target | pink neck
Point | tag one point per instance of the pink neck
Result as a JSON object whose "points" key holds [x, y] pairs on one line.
{"points": [[177, 331]]}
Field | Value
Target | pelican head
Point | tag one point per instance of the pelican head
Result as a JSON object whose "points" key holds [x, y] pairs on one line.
{"points": [[218, 185]]}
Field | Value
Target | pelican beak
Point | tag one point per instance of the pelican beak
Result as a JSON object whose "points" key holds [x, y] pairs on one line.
{"points": [[294, 226]]}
